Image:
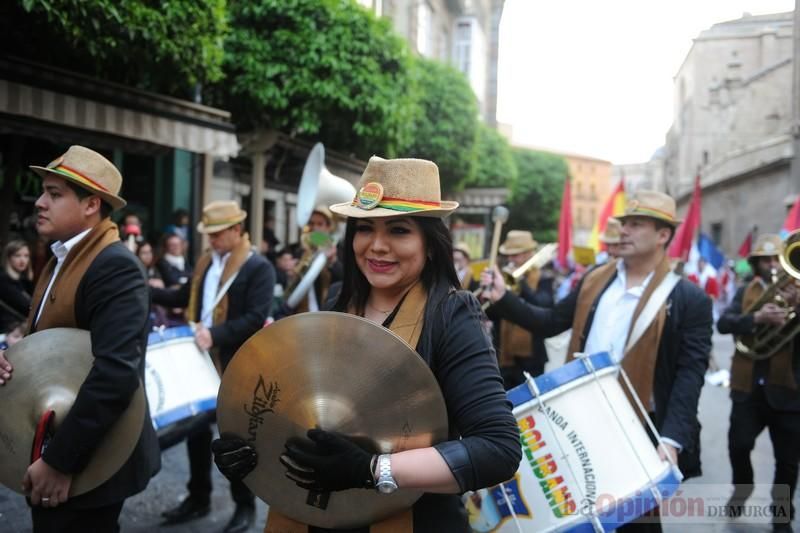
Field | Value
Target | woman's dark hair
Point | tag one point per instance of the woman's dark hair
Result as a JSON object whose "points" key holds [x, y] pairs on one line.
{"points": [[438, 275]]}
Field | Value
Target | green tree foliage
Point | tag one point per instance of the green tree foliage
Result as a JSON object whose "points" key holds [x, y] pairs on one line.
{"points": [[161, 46], [322, 68], [494, 165], [535, 201], [445, 122]]}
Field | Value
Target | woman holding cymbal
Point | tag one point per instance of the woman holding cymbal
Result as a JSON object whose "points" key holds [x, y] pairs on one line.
{"points": [[398, 260]]}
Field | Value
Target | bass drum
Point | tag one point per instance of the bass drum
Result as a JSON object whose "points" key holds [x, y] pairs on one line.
{"points": [[588, 463], [181, 383]]}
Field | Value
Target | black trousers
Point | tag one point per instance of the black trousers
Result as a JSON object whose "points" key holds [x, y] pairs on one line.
{"points": [[748, 419], [200, 462], [67, 520]]}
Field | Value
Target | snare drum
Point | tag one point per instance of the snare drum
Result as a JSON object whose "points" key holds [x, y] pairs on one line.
{"points": [[587, 460], [180, 379]]}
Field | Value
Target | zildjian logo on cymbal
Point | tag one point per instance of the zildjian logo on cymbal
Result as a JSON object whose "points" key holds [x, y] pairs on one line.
{"points": [[264, 400]]}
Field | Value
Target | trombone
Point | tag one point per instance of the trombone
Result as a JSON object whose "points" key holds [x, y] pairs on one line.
{"points": [[768, 340], [544, 254]]}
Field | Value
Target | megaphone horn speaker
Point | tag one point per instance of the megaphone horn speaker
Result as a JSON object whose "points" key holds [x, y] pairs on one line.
{"points": [[318, 186]]}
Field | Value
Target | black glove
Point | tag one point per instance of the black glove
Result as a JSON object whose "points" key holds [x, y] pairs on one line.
{"points": [[234, 456], [327, 463]]}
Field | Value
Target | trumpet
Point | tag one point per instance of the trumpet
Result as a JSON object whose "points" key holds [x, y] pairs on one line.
{"points": [[768, 340], [544, 254]]}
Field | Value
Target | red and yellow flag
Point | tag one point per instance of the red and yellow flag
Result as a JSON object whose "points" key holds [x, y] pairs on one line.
{"points": [[615, 206]]}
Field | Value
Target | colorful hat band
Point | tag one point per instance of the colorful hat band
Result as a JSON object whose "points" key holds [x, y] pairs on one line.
{"points": [[371, 196], [399, 204], [77, 176], [650, 212]]}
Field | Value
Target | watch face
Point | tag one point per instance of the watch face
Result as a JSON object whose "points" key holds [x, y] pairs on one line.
{"points": [[386, 486]]}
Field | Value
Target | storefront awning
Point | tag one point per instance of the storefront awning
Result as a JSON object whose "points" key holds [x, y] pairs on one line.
{"points": [[66, 99]]}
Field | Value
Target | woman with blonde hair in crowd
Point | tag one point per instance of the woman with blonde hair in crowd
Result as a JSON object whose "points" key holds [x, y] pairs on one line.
{"points": [[16, 284]]}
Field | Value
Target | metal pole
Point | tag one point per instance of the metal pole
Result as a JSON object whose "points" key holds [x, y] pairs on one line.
{"points": [[795, 169]]}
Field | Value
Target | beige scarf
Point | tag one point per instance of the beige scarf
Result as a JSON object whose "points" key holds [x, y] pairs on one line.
{"points": [[59, 309], [238, 258]]}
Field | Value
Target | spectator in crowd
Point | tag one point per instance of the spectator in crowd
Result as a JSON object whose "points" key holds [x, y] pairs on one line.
{"points": [[180, 225], [16, 284], [172, 264]]}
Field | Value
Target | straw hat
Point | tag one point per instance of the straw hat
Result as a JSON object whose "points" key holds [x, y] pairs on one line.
{"points": [[463, 248], [220, 215], [89, 170], [397, 187], [652, 204], [767, 245], [611, 233], [517, 242]]}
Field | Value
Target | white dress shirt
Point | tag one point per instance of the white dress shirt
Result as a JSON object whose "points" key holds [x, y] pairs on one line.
{"points": [[60, 250], [211, 286], [612, 319]]}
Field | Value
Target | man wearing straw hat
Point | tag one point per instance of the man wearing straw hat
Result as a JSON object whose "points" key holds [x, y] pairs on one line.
{"points": [[610, 237], [655, 324], [93, 283], [518, 349], [461, 261], [765, 393], [321, 226], [227, 300]]}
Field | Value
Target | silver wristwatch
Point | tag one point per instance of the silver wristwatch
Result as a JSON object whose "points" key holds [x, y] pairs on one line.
{"points": [[385, 483]]}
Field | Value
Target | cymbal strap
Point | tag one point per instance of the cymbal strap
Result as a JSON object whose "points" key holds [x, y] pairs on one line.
{"points": [[44, 431]]}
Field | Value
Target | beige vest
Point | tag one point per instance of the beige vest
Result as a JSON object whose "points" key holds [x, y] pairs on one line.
{"points": [[59, 309]]}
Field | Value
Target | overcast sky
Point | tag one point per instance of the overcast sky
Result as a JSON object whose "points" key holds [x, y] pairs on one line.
{"points": [[594, 77]]}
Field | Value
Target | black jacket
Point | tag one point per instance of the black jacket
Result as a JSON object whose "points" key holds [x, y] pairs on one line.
{"points": [[171, 275], [249, 302], [542, 296], [15, 294], [736, 322], [112, 303], [483, 448], [681, 362]]}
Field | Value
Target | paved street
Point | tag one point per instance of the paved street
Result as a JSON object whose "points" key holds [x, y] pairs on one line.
{"points": [[142, 513]]}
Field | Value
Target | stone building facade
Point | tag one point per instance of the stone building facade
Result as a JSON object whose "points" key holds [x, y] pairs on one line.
{"points": [[733, 126], [464, 33]]}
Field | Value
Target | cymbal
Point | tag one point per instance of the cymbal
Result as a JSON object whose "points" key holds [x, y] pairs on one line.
{"points": [[49, 369], [341, 373]]}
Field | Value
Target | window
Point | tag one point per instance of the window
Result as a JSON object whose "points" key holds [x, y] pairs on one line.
{"points": [[424, 30], [461, 48], [592, 192], [716, 232]]}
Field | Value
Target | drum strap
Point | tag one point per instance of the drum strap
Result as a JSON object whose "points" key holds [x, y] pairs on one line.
{"points": [[406, 324], [657, 299]]}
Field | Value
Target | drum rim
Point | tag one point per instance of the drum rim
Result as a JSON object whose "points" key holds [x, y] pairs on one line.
{"points": [[160, 336], [571, 373]]}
